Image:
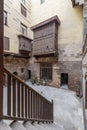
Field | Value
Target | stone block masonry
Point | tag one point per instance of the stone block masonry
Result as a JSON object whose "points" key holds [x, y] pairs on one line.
{"points": [[17, 66], [74, 71]]}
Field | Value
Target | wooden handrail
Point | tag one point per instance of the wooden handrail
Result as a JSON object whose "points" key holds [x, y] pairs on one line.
{"points": [[24, 103], [20, 80]]}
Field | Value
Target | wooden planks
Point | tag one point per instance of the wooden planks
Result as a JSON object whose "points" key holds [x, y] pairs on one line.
{"points": [[46, 38]]}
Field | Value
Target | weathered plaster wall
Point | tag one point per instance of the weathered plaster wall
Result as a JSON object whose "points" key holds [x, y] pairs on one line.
{"points": [[74, 70], [15, 18], [15, 65], [84, 61], [69, 36], [70, 29], [34, 67]]}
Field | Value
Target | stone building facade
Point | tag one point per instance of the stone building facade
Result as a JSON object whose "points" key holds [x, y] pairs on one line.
{"points": [[17, 36], [56, 30], [84, 60], [68, 67]]}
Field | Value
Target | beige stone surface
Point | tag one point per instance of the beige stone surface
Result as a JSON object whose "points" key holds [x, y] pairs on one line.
{"points": [[69, 32], [15, 18], [70, 29]]}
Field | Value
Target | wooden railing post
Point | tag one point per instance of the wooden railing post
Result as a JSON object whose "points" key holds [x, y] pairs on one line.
{"points": [[24, 103], [52, 111], [1, 58]]}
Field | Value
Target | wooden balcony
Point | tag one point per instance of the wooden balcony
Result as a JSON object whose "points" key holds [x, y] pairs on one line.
{"points": [[45, 46], [46, 37], [25, 46]]}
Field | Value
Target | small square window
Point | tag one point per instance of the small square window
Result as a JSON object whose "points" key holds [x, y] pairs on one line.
{"points": [[42, 1]]}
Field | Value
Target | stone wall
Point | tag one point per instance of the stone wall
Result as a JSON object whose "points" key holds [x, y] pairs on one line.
{"points": [[69, 37], [56, 76], [74, 70], [84, 61], [18, 65], [34, 66]]}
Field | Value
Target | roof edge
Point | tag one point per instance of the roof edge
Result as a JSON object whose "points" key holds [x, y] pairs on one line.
{"points": [[21, 35], [54, 18]]}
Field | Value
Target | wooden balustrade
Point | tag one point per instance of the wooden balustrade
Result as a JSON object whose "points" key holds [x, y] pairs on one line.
{"points": [[24, 103]]}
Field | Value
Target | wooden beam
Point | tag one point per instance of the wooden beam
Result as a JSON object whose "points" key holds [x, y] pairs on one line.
{"points": [[47, 59], [1, 57]]}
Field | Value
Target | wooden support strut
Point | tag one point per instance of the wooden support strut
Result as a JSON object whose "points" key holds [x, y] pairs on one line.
{"points": [[1, 58]]}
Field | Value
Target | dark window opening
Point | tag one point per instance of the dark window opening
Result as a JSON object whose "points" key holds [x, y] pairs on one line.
{"points": [[23, 11], [22, 70], [64, 79], [46, 71], [5, 18], [42, 1], [15, 73], [29, 74]]}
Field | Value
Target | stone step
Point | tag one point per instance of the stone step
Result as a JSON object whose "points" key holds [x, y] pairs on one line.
{"points": [[17, 125], [4, 126]]}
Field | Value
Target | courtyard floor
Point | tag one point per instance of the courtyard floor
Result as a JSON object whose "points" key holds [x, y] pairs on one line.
{"points": [[68, 113]]}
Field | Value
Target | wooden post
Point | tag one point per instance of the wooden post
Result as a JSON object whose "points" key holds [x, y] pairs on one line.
{"points": [[1, 57], [52, 111]]}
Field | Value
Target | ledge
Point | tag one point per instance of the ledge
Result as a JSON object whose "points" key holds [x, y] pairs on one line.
{"points": [[50, 54], [21, 35], [55, 18], [15, 55]]}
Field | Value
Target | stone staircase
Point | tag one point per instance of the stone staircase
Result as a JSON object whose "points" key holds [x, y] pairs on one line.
{"points": [[16, 125], [67, 109], [21, 106], [20, 102]]}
